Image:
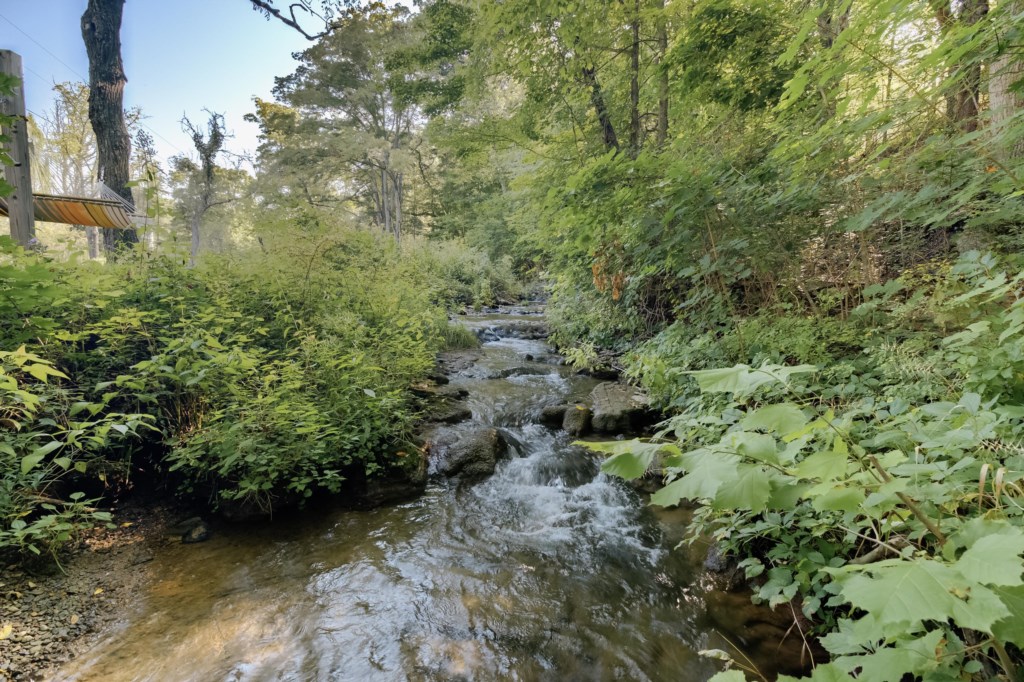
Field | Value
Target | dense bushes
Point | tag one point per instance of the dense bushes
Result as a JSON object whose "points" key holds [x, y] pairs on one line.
{"points": [[259, 377]]}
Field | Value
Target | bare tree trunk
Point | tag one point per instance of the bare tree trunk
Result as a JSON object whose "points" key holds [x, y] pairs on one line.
{"points": [[968, 93], [101, 31], [634, 84], [92, 238], [385, 199], [597, 100], [963, 96], [830, 24], [662, 37], [398, 208], [194, 225]]}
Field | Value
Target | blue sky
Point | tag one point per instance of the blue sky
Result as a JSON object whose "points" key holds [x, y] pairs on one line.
{"points": [[180, 56]]}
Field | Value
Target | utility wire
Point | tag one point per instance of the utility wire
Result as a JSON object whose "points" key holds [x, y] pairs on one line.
{"points": [[81, 77]]}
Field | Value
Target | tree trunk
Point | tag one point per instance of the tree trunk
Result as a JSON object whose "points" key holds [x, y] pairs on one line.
{"points": [[101, 31], [398, 208], [385, 199], [965, 99], [611, 141], [662, 37], [635, 136], [830, 24], [964, 92], [1004, 103], [194, 225], [92, 238]]}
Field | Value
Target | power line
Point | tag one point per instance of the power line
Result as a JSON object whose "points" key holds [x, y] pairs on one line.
{"points": [[81, 77], [44, 48]]}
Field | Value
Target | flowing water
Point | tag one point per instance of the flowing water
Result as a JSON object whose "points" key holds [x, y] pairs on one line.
{"points": [[548, 570]]}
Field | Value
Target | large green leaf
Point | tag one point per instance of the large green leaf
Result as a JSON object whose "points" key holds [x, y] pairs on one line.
{"points": [[783, 419], [629, 459], [32, 460], [750, 490], [1011, 628], [825, 497], [743, 378], [890, 664], [827, 465], [830, 672], [707, 471], [757, 446], [900, 594], [995, 559]]}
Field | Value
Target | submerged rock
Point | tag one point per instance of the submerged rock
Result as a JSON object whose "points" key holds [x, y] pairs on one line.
{"points": [[398, 484], [191, 530], [200, 533], [446, 410], [619, 408], [576, 420]]}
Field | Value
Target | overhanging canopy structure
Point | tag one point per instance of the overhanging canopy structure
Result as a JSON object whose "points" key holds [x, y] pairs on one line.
{"points": [[78, 211]]}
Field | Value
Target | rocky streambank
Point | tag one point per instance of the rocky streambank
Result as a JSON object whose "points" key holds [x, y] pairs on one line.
{"points": [[50, 613]]}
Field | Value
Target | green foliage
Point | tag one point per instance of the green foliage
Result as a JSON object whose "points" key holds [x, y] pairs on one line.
{"points": [[51, 435], [893, 518], [730, 52], [260, 377]]}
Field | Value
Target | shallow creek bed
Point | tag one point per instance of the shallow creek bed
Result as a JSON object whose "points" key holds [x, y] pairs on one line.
{"points": [[543, 569]]}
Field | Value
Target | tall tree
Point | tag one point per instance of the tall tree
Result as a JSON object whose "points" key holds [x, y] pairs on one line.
{"points": [[349, 105], [1006, 76], [101, 31], [956, 19], [200, 178]]}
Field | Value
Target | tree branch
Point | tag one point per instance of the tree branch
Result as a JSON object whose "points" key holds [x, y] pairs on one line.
{"points": [[267, 7]]}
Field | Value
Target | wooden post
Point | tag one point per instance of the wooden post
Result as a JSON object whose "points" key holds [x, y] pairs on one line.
{"points": [[20, 208]]}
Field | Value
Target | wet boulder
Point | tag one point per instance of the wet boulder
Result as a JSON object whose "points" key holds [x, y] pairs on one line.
{"points": [[577, 420], [443, 409], [619, 409], [404, 481], [552, 415], [474, 455]]}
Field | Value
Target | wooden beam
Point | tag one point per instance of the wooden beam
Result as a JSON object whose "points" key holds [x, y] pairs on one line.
{"points": [[23, 228]]}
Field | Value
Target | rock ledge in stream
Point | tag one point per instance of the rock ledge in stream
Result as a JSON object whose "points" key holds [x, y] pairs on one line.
{"points": [[619, 409], [552, 415], [474, 455], [526, 329]]}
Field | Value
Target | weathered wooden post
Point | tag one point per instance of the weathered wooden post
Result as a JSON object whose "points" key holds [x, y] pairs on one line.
{"points": [[20, 208]]}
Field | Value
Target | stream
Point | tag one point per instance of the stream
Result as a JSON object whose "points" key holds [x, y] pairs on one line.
{"points": [[547, 570]]}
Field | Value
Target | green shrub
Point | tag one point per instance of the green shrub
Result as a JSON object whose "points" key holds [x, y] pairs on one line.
{"points": [[260, 376]]}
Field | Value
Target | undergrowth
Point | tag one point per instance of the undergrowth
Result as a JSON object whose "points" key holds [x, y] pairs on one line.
{"points": [[869, 470]]}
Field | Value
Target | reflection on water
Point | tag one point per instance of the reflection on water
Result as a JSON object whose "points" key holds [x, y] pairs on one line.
{"points": [[546, 571]]}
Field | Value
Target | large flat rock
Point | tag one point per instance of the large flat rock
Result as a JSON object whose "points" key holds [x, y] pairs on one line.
{"points": [[619, 408]]}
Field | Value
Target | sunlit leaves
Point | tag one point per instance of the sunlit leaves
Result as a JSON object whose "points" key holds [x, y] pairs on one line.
{"points": [[744, 379]]}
